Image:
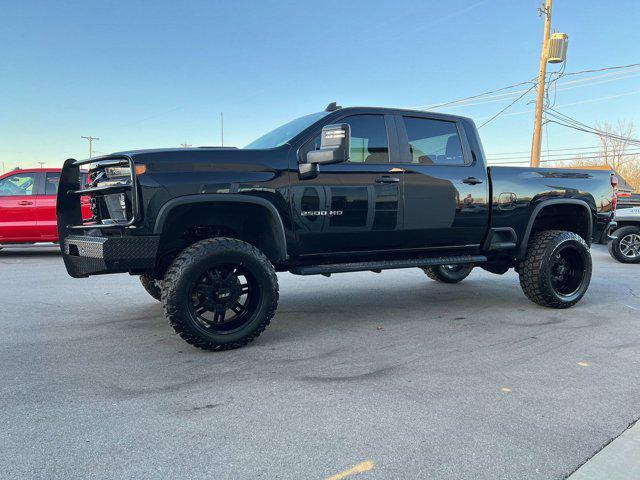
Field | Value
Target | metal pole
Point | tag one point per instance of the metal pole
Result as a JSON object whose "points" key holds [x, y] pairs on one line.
{"points": [[537, 127], [221, 130]]}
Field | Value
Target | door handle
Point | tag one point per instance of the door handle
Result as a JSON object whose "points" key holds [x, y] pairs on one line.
{"points": [[387, 179], [472, 180], [25, 202]]}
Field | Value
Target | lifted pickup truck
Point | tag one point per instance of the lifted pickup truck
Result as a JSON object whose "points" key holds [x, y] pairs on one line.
{"points": [[342, 190]]}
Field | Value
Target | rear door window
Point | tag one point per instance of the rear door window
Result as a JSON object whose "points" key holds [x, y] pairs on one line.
{"points": [[52, 181], [434, 142]]}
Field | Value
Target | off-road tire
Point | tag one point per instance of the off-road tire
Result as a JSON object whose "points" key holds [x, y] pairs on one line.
{"points": [[615, 248], [152, 286], [440, 273], [195, 259], [537, 269]]}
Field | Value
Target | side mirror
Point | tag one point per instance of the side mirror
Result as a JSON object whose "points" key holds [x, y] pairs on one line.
{"points": [[335, 145]]}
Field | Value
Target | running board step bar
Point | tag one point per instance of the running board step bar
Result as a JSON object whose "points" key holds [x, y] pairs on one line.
{"points": [[376, 266]]}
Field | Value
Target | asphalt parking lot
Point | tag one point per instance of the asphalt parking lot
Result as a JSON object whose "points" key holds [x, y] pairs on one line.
{"points": [[392, 372]]}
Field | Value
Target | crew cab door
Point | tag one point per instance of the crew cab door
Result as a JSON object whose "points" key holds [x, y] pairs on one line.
{"points": [[18, 207], [445, 186], [352, 206], [46, 207]]}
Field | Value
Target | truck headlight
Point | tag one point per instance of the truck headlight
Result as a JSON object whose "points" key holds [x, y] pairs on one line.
{"points": [[117, 206]]}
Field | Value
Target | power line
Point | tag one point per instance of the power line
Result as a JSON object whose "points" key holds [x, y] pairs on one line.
{"points": [[632, 151], [616, 67], [551, 150], [593, 132], [508, 87], [584, 127], [581, 102], [558, 86], [508, 106], [475, 96], [547, 160]]}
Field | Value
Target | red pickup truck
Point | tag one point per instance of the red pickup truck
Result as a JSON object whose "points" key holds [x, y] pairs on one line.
{"points": [[28, 206]]}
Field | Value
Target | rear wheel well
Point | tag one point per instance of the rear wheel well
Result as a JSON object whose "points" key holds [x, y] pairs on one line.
{"points": [[189, 223], [627, 223], [570, 217]]}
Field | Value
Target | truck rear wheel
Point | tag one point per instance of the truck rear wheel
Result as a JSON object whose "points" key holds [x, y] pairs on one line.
{"points": [[220, 294], [557, 269], [448, 273], [152, 286], [626, 246]]}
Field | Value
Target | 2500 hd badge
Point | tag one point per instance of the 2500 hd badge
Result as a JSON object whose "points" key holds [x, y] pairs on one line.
{"points": [[321, 213]]}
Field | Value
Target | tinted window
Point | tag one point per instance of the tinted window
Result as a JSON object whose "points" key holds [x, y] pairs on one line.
{"points": [[434, 142], [17, 184], [368, 139], [51, 184]]}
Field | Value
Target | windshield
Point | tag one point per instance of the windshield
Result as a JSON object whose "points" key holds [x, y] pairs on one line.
{"points": [[286, 132]]}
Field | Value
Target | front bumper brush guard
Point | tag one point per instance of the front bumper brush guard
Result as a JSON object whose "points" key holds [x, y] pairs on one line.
{"points": [[68, 204]]}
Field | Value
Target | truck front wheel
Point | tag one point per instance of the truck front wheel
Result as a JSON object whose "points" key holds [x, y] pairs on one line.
{"points": [[220, 293], [557, 269], [626, 246], [448, 273]]}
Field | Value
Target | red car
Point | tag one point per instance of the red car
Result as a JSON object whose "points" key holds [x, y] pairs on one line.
{"points": [[28, 206]]}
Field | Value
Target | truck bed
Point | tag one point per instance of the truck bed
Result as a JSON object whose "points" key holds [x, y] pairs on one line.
{"points": [[514, 189]]}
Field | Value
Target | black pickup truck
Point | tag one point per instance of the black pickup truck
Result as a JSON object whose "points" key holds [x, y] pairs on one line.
{"points": [[342, 190]]}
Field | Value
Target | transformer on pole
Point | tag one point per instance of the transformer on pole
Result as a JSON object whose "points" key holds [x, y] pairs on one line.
{"points": [[557, 51], [554, 50]]}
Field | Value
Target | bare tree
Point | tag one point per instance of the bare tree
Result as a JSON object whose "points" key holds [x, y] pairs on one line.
{"points": [[614, 152]]}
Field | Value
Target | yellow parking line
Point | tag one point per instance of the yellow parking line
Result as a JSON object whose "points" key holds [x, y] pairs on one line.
{"points": [[359, 468]]}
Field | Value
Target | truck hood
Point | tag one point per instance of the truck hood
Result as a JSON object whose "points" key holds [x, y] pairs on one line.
{"points": [[207, 158]]}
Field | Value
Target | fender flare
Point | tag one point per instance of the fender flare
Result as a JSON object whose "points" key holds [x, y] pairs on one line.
{"points": [[167, 208], [522, 251]]}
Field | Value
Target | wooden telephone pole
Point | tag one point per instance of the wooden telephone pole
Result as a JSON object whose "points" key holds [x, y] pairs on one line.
{"points": [[544, 57], [91, 139]]}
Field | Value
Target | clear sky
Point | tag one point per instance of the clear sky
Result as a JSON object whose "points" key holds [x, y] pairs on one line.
{"points": [[158, 73]]}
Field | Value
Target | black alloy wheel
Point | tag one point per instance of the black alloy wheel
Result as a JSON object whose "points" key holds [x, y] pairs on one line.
{"points": [[567, 271], [224, 298]]}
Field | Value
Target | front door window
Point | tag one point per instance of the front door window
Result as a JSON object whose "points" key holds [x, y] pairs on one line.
{"points": [[19, 184]]}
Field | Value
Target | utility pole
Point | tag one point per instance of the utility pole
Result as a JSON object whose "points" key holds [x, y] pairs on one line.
{"points": [[41, 164], [91, 139], [185, 144], [537, 127], [221, 130]]}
